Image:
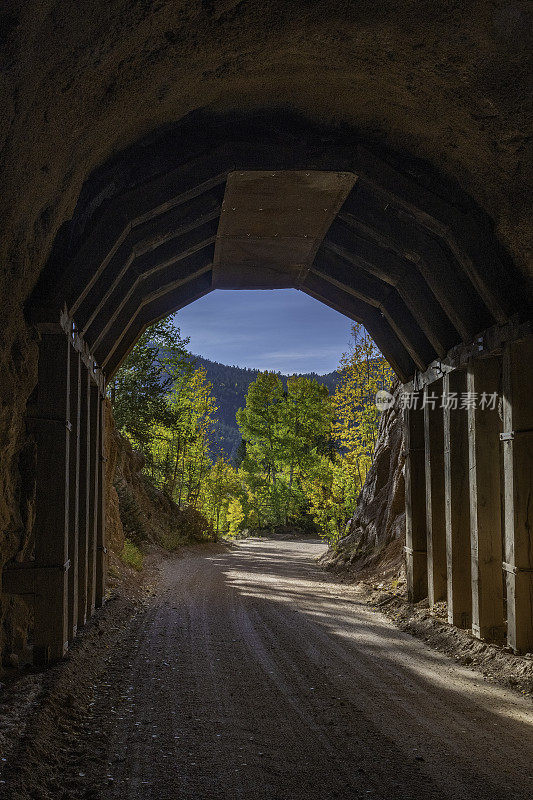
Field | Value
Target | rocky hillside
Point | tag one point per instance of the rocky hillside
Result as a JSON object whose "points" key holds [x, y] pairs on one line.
{"points": [[379, 519], [136, 510]]}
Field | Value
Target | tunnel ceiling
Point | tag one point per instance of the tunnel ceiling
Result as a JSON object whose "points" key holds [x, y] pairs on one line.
{"points": [[398, 249], [272, 224], [81, 83]]}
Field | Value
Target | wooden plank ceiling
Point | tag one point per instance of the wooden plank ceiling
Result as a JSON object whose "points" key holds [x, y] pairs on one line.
{"points": [[272, 224]]}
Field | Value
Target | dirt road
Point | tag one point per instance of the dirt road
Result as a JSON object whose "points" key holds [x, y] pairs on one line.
{"points": [[252, 676]]}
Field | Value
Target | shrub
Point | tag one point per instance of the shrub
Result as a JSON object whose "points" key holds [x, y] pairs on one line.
{"points": [[131, 555], [188, 525]]}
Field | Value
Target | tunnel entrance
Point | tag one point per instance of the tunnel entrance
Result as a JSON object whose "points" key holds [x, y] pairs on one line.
{"points": [[270, 201]]}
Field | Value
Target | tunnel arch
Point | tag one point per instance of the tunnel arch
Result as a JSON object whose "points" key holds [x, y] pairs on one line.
{"points": [[427, 105], [396, 247], [408, 254]]}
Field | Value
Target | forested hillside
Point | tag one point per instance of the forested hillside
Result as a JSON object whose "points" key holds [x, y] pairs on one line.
{"points": [[230, 386]]}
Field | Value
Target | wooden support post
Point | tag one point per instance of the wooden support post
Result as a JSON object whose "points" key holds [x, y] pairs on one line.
{"points": [[456, 499], [484, 427], [74, 483], [415, 501], [51, 424], [93, 496], [101, 549], [84, 495], [435, 512], [517, 443]]}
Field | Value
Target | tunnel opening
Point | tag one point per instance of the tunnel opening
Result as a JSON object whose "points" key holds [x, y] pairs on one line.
{"points": [[270, 200]]}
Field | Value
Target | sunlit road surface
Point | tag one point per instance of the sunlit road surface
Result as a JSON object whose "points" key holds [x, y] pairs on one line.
{"points": [[252, 675]]}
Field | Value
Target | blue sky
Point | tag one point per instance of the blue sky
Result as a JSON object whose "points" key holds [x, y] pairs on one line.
{"points": [[280, 329]]}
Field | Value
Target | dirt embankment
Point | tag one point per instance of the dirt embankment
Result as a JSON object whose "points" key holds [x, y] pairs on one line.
{"points": [[136, 510]]}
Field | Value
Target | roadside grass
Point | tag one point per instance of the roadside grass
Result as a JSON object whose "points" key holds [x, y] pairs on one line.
{"points": [[131, 555]]}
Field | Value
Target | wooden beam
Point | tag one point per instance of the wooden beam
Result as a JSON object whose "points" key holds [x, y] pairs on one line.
{"points": [[350, 279], [194, 267], [101, 541], [406, 329], [426, 312], [401, 272], [94, 489], [342, 238], [455, 226], [157, 309], [435, 508], [456, 495], [135, 253], [74, 487], [429, 255], [415, 501], [134, 208], [84, 496], [51, 425], [272, 223], [517, 443], [488, 342], [374, 322], [484, 427], [170, 253]]}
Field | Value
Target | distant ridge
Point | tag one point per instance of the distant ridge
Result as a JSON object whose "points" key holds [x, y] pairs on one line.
{"points": [[230, 385]]}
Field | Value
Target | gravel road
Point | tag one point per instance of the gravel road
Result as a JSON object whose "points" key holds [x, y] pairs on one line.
{"points": [[251, 675]]}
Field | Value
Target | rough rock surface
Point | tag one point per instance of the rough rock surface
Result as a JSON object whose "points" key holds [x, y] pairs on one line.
{"points": [[135, 508], [119, 457], [379, 518]]}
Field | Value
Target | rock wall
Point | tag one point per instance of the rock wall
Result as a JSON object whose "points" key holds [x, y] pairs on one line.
{"points": [[379, 518]]}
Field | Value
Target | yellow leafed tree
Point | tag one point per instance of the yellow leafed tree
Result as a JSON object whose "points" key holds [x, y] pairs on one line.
{"points": [[363, 372]]}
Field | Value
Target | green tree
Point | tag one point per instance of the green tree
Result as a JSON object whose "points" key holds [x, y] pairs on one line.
{"points": [[363, 371], [184, 442], [334, 485], [220, 487], [234, 517], [332, 488], [305, 421], [140, 388], [260, 425], [285, 431]]}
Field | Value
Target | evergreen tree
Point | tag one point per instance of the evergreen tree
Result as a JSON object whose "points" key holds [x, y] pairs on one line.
{"points": [[140, 388]]}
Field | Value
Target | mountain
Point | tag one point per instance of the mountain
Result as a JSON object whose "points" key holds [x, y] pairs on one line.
{"points": [[230, 385]]}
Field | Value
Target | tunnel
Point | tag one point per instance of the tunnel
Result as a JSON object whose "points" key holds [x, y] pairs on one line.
{"points": [[170, 152]]}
